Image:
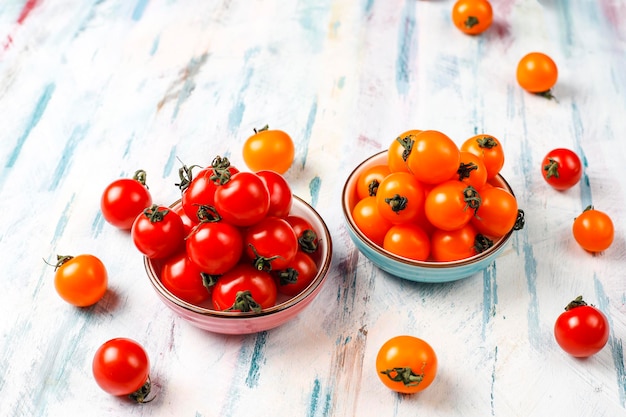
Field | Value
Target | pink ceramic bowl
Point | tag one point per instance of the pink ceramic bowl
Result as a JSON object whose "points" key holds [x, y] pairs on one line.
{"points": [[228, 322]]}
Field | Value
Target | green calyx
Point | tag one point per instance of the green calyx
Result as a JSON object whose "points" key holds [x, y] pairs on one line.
{"points": [[404, 375], [245, 302]]}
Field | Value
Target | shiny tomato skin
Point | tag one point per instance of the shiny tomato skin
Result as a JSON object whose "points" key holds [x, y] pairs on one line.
{"points": [[398, 151], [158, 232], [81, 280], [121, 366], [123, 200], [369, 221], [489, 149], [472, 16], [368, 182], [434, 157], [497, 213], [400, 197], [446, 207], [472, 170], [201, 191], [272, 242], [269, 149], [406, 353], [453, 245], [183, 278], [243, 200], [593, 230], [561, 168], [305, 272], [308, 239], [537, 73], [407, 240], [281, 197], [240, 279], [581, 331], [215, 247]]}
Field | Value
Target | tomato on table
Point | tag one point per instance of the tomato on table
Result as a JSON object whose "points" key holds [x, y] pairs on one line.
{"points": [[400, 197], [269, 149], [406, 364], [561, 168], [158, 232], [472, 16], [593, 230], [121, 366], [537, 73], [244, 288], [489, 149], [433, 157], [80, 280], [581, 330], [124, 199]]}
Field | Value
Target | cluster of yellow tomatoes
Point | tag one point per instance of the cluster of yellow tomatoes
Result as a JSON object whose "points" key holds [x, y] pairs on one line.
{"points": [[433, 200]]}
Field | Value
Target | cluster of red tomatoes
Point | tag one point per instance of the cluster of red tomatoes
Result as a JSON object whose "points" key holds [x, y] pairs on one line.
{"points": [[434, 200]]}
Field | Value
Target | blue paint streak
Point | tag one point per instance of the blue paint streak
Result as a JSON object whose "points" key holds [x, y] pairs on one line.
{"points": [[313, 18], [493, 382], [406, 40], [78, 134], [97, 224], [169, 164], [63, 221], [368, 6], [252, 380], [155, 45], [236, 113], [314, 189], [303, 147], [315, 397], [585, 186], [189, 84], [615, 343], [140, 7], [490, 296], [40, 108]]}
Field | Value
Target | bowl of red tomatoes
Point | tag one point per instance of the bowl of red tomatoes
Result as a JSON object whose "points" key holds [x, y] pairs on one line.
{"points": [[252, 257], [427, 210]]}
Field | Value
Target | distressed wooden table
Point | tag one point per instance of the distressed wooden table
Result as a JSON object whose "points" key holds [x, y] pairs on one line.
{"points": [[92, 90]]}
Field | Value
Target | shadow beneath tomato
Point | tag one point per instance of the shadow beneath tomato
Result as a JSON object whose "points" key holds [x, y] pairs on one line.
{"points": [[107, 304]]}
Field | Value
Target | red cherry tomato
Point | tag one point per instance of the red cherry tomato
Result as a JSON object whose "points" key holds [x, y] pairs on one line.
{"points": [[561, 168], [215, 246], [185, 280], [297, 275], [271, 243], [582, 330], [124, 199], [307, 236], [121, 367], [243, 200], [281, 197], [158, 232], [80, 280], [244, 288]]}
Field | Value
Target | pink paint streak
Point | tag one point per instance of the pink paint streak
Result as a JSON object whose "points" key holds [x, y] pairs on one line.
{"points": [[28, 7]]}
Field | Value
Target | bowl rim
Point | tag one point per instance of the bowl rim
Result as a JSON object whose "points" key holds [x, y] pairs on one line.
{"points": [[347, 213], [325, 264]]}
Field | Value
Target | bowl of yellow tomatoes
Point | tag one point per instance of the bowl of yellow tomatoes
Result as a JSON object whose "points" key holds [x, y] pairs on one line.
{"points": [[428, 210]]}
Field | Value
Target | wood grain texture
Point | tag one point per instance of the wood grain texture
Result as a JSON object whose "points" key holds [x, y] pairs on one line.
{"points": [[93, 90]]}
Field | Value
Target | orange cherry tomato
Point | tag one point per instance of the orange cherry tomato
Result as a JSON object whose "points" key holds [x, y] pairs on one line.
{"points": [[451, 205], [368, 182], [407, 240], [369, 221], [399, 151], [472, 170], [593, 230], [267, 149], [434, 157], [406, 364], [472, 16], [537, 73], [497, 213], [489, 149], [399, 197], [456, 244], [80, 280]]}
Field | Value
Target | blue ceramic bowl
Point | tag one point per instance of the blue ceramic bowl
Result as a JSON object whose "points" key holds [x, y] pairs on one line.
{"points": [[420, 271]]}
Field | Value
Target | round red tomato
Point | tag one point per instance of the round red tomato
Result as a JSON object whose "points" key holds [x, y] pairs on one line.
{"points": [[561, 168], [158, 232], [243, 200], [269, 149], [215, 246], [121, 367], [582, 330], [199, 190], [281, 197], [80, 280], [185, 280], [451, 205], [297, 275], [271, 243], [124, 199], [406, 364], [244, 288], [307, 237], [593, 230]]}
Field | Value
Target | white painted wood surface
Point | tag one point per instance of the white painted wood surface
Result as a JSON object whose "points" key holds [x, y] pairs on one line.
{"points": [[92, 90]]}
